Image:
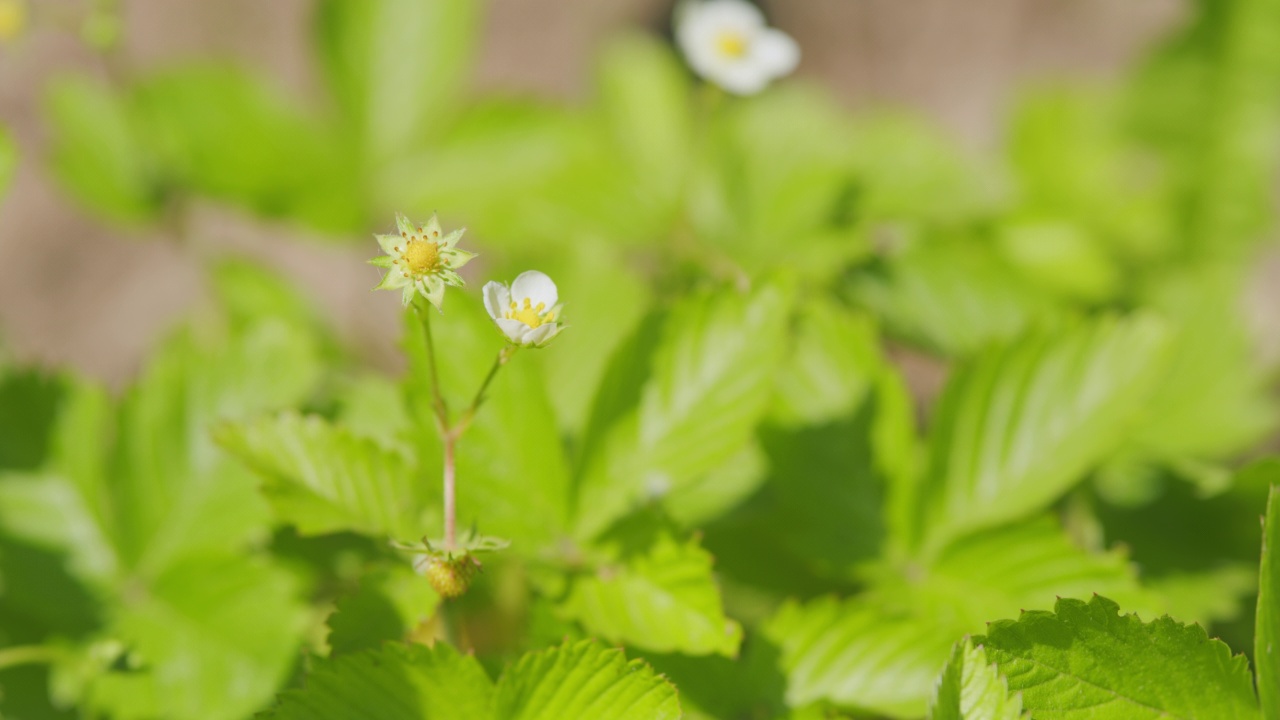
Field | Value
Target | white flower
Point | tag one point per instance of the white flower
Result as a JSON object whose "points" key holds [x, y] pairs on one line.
{"points": [[527, 313], [727, 42], [421, 260]]}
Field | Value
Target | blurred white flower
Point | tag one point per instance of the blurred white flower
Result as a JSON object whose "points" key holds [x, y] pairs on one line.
{"points": [[727, 42], [527, 312]]}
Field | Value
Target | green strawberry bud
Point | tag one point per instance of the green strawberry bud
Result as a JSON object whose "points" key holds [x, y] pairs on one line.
{"points": [[449, 576]]}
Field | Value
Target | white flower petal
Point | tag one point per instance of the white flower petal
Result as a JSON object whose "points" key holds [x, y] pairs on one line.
{"points": [[513, 329], [541, 334], [537, 287], [496, 299], [740, 78], [722, 15], [774, 53]]}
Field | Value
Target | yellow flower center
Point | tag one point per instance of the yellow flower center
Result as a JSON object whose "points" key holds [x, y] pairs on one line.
{"points": [[530, 315], [421, 257], [732, 44]]}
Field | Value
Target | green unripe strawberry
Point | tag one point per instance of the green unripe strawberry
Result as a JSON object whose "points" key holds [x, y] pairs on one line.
{"points": [[449, 576]]}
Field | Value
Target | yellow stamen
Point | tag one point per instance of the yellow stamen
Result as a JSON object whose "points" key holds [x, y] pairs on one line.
{"points": [[422, 257], [531, 316], [731, 44]]}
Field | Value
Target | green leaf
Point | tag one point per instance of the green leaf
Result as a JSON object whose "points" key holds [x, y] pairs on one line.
{"points": [[970, 688], [1085, 660], [832, 365], [583, 680], [664, 600], [389, 604], [396, 68], [714, 686], [394, 682], [881, 651], [1020, 424], [1206, 103], [1266, 638], [950, 295], [29, 405], [228, 133], [214, 639], [692, 399], [322, 478], [8, 159], [1212, 403], [645, 102], [100, 153]]}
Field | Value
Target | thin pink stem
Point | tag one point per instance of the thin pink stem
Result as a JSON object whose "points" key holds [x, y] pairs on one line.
{"points": [[450, 470]]}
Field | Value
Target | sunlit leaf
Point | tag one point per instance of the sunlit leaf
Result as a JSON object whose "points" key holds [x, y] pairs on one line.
{"points": [[583, 680], [214, 640], [395, 67], [970, 688], [881, 650], [665, 599], [702, 385], [394, 682], [1086, 660], [1022, 422], [322, 478]]}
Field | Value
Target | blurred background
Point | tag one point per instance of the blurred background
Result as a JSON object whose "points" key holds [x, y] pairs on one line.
{"points": [[94, 295], [1074, 200]]}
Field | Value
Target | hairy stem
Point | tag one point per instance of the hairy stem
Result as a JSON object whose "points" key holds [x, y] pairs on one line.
{"points": [[450, 491], [504, 355]]}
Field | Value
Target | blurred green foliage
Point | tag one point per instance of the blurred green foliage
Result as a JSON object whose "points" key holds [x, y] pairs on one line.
{"points": [[721, 465]]}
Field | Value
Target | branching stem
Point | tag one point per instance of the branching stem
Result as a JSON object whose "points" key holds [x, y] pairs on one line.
{"points": [[450, 433]]}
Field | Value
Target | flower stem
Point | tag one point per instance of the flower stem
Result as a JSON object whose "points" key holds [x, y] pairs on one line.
{"points": [[25, 655], [437, 398], [450, 490], [504, 355]]}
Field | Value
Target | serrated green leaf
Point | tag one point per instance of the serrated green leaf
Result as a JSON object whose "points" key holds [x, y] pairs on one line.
{"points": [[214, 640], [100, 153], [1086, 660], [970, 688], [1021, 423], [322, 478], [583, 680], [664, 600], [394, 682], [881, 651], [1266, 638], [388, 605], [702, 387]]}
